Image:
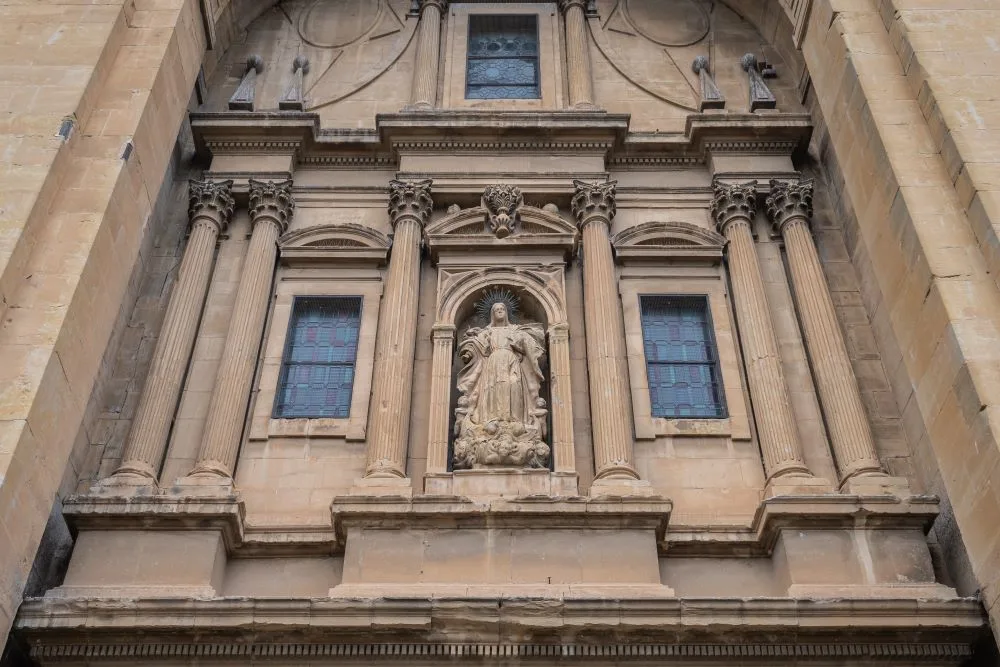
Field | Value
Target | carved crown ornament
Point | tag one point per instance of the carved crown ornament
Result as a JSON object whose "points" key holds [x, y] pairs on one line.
{"points": [[211, 200], [594, 201], [658, 241], [271, 201], [348, 243], [789, 201], [502, 204], [733, 202], [410, 200]]}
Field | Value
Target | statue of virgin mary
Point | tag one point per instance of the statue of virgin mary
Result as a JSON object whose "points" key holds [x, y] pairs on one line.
{"points": [[500, 420]]}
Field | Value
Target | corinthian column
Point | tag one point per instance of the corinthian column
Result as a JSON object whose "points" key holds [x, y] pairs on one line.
{"points": [[410, 207], [594, 208], [733, 210], [210, 209], [423, 94], [581, 86], [271, 208], [789, 207]]}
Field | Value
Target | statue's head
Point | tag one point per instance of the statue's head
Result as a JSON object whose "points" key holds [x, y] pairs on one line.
{"points": [[498, 314]]}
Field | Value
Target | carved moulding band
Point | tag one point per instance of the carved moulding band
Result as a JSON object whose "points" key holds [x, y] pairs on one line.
{"points": [[348, 242], [538, 282], [656, 240]]}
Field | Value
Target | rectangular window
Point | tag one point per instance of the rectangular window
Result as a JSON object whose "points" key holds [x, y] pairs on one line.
{"points": [[502, 58], [681, 357], [317, 371]]}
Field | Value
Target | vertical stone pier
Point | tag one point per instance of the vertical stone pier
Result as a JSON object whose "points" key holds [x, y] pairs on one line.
{"points": [[423, 94], [581, 85]]}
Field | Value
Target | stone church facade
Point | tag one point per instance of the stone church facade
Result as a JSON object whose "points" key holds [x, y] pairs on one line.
{"points": [[427, 332]]}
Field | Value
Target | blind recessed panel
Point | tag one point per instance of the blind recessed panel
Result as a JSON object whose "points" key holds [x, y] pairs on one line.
{"points": [[681, 357], [502, 58], [317, 373]]}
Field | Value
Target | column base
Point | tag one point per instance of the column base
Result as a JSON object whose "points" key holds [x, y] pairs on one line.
{"points": [[622, 487], [400, 487], [418, 106], [797, 485], [204, 484], [876, 484], [126, 483]]}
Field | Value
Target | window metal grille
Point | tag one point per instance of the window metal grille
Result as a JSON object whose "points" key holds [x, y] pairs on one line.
{"points": [[502, 58], [317, 372], [681, 357]]}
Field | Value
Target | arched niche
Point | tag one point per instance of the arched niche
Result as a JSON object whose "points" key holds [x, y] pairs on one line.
{"points": [[325, 244], [668, 241], [541, 287]]}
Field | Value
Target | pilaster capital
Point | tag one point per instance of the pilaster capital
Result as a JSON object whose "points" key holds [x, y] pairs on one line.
{"points": [[789, 201], [211, 200], [559, 332], [444, 332], [271, 201], [594, 201], [410, 199], [442, 5], [733, 202], [566, 5]]}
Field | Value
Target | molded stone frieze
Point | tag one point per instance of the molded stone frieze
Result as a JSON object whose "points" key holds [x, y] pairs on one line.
{"points": [[733, 202], [761, 96], [243, 98], [789, 201], [211, 200], [410, 199], [271, 201], [502, 204], [594, 200]]}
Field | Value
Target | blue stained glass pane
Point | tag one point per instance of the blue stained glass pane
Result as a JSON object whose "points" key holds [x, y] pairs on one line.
{"points": [[681, 357], [502, 57], [318, 369]]}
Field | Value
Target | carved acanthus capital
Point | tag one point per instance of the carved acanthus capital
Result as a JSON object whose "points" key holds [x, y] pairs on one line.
{"points": [[788, 202], [212, 201], [594, 201], [733, 202], [410, 199], [271, 201], [502, 204]]}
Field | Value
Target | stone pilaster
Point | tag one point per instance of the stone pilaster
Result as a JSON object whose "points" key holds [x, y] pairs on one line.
{"points": [[210, 210], [410, 206], [271, 208], [440, 417], [581, 85], [789, 207], [561, 391], [594, 208], [733, 209], [423, 94]]}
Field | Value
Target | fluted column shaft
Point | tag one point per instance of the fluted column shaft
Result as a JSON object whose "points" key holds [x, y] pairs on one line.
{"points": [[733, 208], [270, 208], [594, 208], [211, 207], [437, 428], [562, 399], [790, 209], [425, 67], [409, 209], [581, 86]]}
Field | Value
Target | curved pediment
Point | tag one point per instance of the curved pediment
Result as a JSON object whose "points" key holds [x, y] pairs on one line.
{"points": [[328, 243], [469, 230], [662, 240]]}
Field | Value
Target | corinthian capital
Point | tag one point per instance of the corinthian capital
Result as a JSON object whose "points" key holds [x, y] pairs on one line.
{"points": [[733, 202], [789, 201], [212, 201], [594, 200], [410, 199], [271, 201]]}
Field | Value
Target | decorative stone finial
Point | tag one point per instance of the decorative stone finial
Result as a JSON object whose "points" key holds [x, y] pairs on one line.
{"points": [[293, 100], [410, 199], [711, 96], [789, 201], [271, 201], [211, 200], [502, 204], [243, 98], [594, 200], [733, 202], [760, 95]]}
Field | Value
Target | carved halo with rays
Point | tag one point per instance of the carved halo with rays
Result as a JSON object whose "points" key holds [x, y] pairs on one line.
{"points": [[493, 295]]}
